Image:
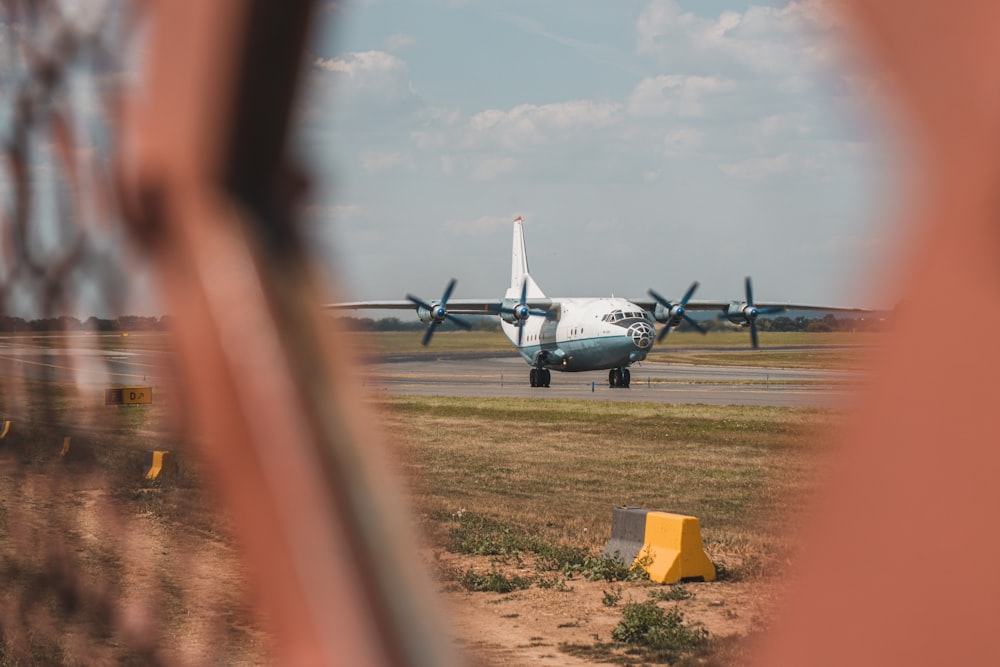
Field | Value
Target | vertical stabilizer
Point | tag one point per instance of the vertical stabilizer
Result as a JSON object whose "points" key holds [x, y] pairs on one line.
{"points": [[519, 266]]}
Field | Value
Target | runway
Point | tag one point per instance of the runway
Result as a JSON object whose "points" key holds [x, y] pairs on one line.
{"points": [[471, 374], [76, 364], [498, 375]]}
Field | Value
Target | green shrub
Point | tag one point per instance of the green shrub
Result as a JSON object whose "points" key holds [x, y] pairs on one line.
{"points": [[613, 597], [607, 568], [674, 593], [494, 582], [665, 635], [477, 535]]}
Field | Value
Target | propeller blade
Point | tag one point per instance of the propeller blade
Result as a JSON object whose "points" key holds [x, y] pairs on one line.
{"points": [[420, 302], [458, 322], [520, 332], [753, 334], [659, 299], [434, 314], [447, 292], [429, 333], [524, 292], [772, 310], [694, 323], [749, 291], [689, 293]]}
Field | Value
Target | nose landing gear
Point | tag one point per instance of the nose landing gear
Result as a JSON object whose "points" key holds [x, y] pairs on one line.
{"points": [[619, 378], [540, 377]]}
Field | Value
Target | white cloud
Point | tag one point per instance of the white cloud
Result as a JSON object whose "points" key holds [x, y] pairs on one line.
{"points": [[378, 161], [760, 169], [514, 131], [361, 64], [674, 95], [530, 125], [368, 77], [682, 141], [773, 40], [335, 211]]}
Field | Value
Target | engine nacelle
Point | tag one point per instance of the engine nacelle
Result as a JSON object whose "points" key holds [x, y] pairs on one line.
{"points": [[670, 316], [435, 314], [739, 312], [661, 313], [508, 311]]}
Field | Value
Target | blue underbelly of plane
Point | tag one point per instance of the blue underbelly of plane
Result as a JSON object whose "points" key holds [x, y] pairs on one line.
{"points": [[584, 354]]}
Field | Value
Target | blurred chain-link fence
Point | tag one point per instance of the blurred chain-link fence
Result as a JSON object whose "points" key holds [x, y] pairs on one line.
{"points": [[153, 143], [97, 565]]}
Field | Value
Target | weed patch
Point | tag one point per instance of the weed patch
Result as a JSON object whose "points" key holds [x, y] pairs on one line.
{"points": [[493, 582], [674, 593], [661, 635]]}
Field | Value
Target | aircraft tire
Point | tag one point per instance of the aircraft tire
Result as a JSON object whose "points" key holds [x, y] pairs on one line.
{"points": [[534, 377], [626, 378], [546, 377], [615, 378]]}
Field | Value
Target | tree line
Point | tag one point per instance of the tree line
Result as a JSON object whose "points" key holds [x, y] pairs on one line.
{"points": [[823, 324], [779, 323], [11, 324]]}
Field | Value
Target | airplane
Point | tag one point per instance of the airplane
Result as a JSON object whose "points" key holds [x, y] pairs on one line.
{"points": [[580, 334]]}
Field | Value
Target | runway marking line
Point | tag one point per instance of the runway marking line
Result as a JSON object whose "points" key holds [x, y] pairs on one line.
{"points": [[67, 368]]}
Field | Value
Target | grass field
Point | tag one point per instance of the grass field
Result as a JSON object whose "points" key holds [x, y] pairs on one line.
{"points": [[537, 477], [557, 467]]}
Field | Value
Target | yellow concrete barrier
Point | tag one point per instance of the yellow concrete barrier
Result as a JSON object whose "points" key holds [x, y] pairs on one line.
{"points": [[668, 546], [162, 465], [673, 550]]}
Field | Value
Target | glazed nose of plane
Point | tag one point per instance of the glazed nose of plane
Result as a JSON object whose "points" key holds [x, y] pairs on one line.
{"points": [[642, 335]]}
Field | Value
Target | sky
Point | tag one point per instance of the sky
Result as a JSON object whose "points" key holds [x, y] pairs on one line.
{"points": [[647, 144]]}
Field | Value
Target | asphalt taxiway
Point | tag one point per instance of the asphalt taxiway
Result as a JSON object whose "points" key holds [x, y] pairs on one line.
{"points": [[476, 374], [499, 375]]}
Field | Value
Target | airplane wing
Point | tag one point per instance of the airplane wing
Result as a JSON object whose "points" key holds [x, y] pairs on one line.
{"points": [[649, 304], [455, 306]]}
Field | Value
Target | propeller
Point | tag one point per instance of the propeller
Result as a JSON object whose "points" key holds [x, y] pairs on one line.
{"points": [[750, 313], [438, 312], [676, 312], [521, 312]]}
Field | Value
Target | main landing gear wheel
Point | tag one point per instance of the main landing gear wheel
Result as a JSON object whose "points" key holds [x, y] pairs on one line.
{"points": [[619, 378], [540, 377]]}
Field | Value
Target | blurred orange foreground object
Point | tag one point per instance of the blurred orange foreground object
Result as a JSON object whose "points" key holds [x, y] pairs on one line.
{"points": [[205, 185], [900, 567]]}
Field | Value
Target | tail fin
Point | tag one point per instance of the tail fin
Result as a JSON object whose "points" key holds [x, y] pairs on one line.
{"points": [[519, 266]]}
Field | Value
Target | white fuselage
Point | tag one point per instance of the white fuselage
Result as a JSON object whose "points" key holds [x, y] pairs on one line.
{"points": [[586, 335]]}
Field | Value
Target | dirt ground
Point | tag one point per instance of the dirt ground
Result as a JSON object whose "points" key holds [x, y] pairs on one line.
{"points": [[536, 626]]}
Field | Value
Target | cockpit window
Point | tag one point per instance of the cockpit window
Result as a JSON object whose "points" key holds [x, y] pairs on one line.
{"points": [[618, 315]]}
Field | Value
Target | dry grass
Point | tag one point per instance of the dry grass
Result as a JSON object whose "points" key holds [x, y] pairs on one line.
{"points": [[556, 468]]}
